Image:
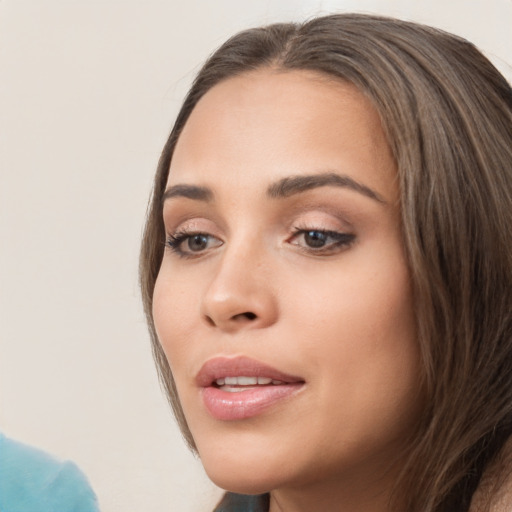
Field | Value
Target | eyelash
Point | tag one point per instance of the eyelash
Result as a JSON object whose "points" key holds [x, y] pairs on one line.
{"points": [[340, 241]]}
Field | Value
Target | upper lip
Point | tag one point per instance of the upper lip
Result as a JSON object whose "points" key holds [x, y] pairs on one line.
{"points": [[221, 367]]}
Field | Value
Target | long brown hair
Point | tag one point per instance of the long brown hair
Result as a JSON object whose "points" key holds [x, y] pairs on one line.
{"points": [[447, 113]]}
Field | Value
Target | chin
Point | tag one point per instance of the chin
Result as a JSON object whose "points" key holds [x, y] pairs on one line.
{"points": [[233, 483], [243, 471], [243, 476]]}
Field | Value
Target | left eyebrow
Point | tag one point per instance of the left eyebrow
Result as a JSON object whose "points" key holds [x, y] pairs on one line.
{"points": [[292, 185]]}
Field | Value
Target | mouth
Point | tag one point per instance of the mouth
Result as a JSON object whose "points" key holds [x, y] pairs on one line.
{"points": [[242, 383], [239, 388]]}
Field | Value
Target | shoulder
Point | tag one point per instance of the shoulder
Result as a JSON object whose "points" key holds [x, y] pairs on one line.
{"points": [[32, 478], [494, 492]]}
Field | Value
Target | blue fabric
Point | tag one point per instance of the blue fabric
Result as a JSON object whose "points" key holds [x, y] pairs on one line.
{"points": [[33, 481], [232, 502]]}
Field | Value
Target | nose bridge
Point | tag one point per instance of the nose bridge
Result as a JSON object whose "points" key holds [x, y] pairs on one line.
{"points": [[240, 293]]}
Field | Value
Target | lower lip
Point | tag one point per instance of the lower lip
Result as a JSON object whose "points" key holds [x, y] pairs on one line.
{"points": [[223, 405]]}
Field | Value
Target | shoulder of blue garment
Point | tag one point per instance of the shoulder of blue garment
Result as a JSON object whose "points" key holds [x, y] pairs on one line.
{"points": [[31, 480]]}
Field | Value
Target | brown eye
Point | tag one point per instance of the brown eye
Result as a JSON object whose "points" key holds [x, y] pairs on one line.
{"points": [[197, 242], [315, 239], [192, 244], [318, 241]]}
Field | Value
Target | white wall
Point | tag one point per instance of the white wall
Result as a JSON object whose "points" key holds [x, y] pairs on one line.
{"points": [[88, 92]]}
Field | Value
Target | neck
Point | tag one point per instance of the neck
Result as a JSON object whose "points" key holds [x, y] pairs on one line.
{"points": [[346, 493]]}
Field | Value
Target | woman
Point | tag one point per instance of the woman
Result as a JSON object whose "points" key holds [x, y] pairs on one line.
{"points": [[326, 269]]}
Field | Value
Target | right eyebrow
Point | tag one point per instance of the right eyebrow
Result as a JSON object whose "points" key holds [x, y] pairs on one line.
{"points": [[188, 191]]}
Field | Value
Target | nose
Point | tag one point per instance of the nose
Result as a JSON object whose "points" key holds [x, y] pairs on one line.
{"points": [[241, 294]]}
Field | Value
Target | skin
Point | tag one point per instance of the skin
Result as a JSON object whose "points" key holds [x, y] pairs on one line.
{"points": [[340, 316]]}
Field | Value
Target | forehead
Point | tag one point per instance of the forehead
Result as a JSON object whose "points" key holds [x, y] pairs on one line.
{"points": [[267, 124]]}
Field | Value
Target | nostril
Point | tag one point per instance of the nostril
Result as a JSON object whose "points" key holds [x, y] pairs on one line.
{"points": [[248, 315], [240, 317]]}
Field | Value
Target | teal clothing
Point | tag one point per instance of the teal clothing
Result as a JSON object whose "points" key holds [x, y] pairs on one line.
{"points": [[232, 502], [33, 481]]}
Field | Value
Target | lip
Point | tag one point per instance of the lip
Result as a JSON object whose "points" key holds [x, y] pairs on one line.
{"points": [[250, 402]]}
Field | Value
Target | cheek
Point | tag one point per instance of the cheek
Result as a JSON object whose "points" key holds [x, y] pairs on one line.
{"points": [[366, 305], [173, 304], [359, 336]]}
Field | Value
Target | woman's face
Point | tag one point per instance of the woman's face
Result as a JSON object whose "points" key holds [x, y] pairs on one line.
{"points": [[283, 302]]}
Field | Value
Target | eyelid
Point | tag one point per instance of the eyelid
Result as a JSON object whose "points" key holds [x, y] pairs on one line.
{"points": [[190, 222], [321, 218], [339, 233], [183, 224]]}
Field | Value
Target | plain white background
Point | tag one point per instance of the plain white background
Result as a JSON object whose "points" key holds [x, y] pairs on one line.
{"points": [[88, 93]]}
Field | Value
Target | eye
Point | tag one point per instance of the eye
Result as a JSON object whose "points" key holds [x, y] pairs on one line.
{"points": [[191, 244], [321, 241]]}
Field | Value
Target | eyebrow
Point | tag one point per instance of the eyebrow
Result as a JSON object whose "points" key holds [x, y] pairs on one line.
{"points": [[283, 188], [189, 191], [292, 185]]}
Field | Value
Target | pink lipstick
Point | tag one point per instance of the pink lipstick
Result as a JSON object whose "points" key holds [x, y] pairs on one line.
{"points": [[239, 388]]}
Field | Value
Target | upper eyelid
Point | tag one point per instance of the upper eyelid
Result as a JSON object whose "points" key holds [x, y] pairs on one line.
{"points": [[325, 221], [291, 206], [322, 217], [189, 223]]}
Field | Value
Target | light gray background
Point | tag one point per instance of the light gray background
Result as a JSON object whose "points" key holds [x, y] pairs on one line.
{"points": [[88, 93]]}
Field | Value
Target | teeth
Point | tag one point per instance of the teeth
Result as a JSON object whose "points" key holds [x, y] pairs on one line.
{"points": [[246, 381], [231, 389]]}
